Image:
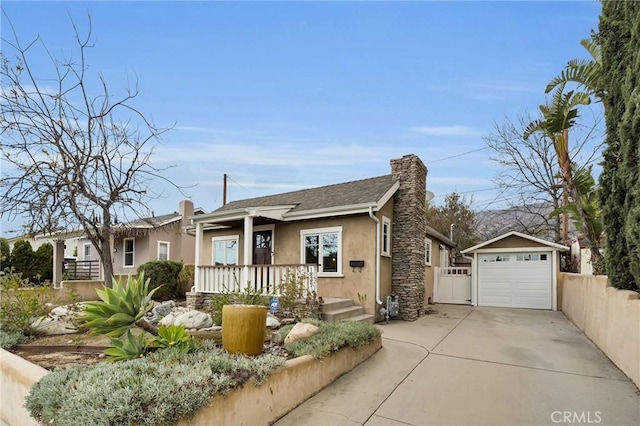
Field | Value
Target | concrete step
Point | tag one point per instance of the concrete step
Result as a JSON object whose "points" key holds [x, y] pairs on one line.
{"points": [[331, 303], [342, 313], [370, 319]]}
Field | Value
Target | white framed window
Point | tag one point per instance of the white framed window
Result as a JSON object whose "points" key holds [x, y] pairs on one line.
{"points": [[323, 246], [386, 236], [128, 248], [163, 250], [225, 250], [427, 251], [86, 254]]}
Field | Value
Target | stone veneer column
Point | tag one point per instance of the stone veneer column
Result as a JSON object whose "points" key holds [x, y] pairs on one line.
{"points": [[409, 231]]}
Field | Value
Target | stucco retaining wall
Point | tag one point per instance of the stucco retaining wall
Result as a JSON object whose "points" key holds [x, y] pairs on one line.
{"points": [[285, 389], [608, 316], [17, 375]]}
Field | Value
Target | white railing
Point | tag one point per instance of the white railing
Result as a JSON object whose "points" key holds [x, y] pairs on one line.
{"points": [[267, 279]]}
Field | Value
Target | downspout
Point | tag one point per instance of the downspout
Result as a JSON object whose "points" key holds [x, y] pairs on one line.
{"points": [[377, 221]]}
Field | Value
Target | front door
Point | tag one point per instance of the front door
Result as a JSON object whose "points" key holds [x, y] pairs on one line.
{"points": [[262, 246]]}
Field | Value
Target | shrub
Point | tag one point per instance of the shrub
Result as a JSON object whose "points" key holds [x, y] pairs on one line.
{"points": [[163, 275], [331, 337], [20, 304], [23, 259], [186, 280], [160, 389], [9, 339], [295, 300], [43, 267]]}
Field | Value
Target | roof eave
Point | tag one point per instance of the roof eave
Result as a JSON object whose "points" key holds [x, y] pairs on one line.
{"points": [[517, 234]]}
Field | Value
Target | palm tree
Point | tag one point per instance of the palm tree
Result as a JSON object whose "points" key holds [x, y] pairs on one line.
{"points": [[585, 72], [592, 228], [558, 118]]}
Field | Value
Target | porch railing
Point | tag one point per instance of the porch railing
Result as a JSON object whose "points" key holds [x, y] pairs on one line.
{"points": [[267, 279], [81, 270]]}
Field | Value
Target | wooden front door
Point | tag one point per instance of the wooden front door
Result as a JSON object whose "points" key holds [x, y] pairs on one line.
{"points": [[262, 246]]}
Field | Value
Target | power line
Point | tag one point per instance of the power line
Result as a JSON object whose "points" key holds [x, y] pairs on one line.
{"points": [[458, 155]]}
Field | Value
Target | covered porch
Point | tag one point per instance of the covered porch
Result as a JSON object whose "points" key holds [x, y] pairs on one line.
{"points": [[235, 252]]}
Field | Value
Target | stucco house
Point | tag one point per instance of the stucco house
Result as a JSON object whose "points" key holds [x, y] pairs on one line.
{"points": [[438, 251], [362, 240], [162, 237]]}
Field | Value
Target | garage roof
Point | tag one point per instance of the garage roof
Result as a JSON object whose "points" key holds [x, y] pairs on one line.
{"points": [[537, 241]]}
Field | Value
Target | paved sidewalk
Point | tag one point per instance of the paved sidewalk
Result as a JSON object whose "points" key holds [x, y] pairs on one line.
{"points": [[478, 366]]}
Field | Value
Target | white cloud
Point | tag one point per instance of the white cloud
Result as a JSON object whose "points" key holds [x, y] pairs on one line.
{"points": [[455, 130]]}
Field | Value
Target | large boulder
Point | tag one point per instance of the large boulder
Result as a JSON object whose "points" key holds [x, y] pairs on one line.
{"points": [[194, 320], [301, 331], [52, 326]]}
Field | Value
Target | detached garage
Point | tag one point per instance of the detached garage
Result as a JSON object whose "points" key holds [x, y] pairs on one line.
{"points": [[515, 270]]}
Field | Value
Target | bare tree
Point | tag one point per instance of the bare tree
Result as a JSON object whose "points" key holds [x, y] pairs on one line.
{"points": [[530, 177], [75, 155]]}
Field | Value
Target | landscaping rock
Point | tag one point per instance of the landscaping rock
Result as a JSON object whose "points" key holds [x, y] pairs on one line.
{"points": [[272, 321], [163, 309], [194, 320], [301, 331], [52, 326]]}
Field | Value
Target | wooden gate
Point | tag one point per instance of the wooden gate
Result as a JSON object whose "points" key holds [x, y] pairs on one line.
{"points": [[452, 285]]}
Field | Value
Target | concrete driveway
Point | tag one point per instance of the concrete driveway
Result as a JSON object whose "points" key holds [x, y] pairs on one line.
{"points": [[461, 365]]}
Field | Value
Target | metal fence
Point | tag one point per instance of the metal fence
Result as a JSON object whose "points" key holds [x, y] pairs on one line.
{"points": [[81, 270]]}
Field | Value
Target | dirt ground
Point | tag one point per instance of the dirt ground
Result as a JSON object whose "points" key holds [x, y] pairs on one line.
{"points": [[51, 359]]}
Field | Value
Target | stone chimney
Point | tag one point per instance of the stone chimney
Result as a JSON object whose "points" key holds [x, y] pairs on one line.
{"points": [[409, 231]]}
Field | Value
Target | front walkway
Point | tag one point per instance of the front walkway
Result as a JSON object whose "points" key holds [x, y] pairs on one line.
{"points": [[478, 366]]}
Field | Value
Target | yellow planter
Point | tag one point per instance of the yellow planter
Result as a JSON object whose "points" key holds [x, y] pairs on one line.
{"points": [[243, 328]]}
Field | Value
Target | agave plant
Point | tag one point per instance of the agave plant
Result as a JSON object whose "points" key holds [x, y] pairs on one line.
{"points": [[174, 336], [131, 348], [120, 308]]}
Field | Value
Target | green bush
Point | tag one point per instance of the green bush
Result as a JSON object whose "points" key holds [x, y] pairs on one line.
{"points": [[157, 390], [43, 263], [331, 337], [21, 303], [10, 339], [23, 259], [186, 280], [5, 254], [163, 274]]}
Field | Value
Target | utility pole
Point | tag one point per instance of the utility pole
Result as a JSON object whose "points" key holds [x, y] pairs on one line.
{"points": [[224, 189]]}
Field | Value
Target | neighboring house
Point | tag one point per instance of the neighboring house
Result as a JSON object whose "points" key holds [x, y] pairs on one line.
{"points": [[515, 270], [163, 237], [361, 240]]}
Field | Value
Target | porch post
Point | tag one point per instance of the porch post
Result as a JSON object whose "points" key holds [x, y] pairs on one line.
{"points": [[248, 242], [58, 261], [198, 254]]}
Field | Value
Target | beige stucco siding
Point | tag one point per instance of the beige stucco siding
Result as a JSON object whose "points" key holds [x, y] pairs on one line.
{"points": [[513, 241], [358, 243]]}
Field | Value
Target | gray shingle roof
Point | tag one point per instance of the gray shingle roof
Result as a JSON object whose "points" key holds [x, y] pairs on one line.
{"points": [[363, 191], [152, 221]]}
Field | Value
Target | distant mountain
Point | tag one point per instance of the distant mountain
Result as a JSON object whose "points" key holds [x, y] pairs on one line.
{"points": [[530, 219]]}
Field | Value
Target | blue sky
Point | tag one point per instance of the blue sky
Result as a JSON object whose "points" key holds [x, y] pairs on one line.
{"points": [[290, 95]]}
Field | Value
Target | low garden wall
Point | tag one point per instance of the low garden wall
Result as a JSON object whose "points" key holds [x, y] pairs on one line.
{"points": [[84, 290], [17, 375], [285, 389], [608, 316]]}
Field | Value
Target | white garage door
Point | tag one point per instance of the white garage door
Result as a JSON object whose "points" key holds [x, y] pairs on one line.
{"points": [[515, 280]]}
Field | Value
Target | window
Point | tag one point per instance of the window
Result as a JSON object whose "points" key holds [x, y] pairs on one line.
{"points": [[386, 236], [163, 250], [128, 252], [323, 246], [427, 251], [495, 258], [535, 257], [225, 250], [86, 255]]}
